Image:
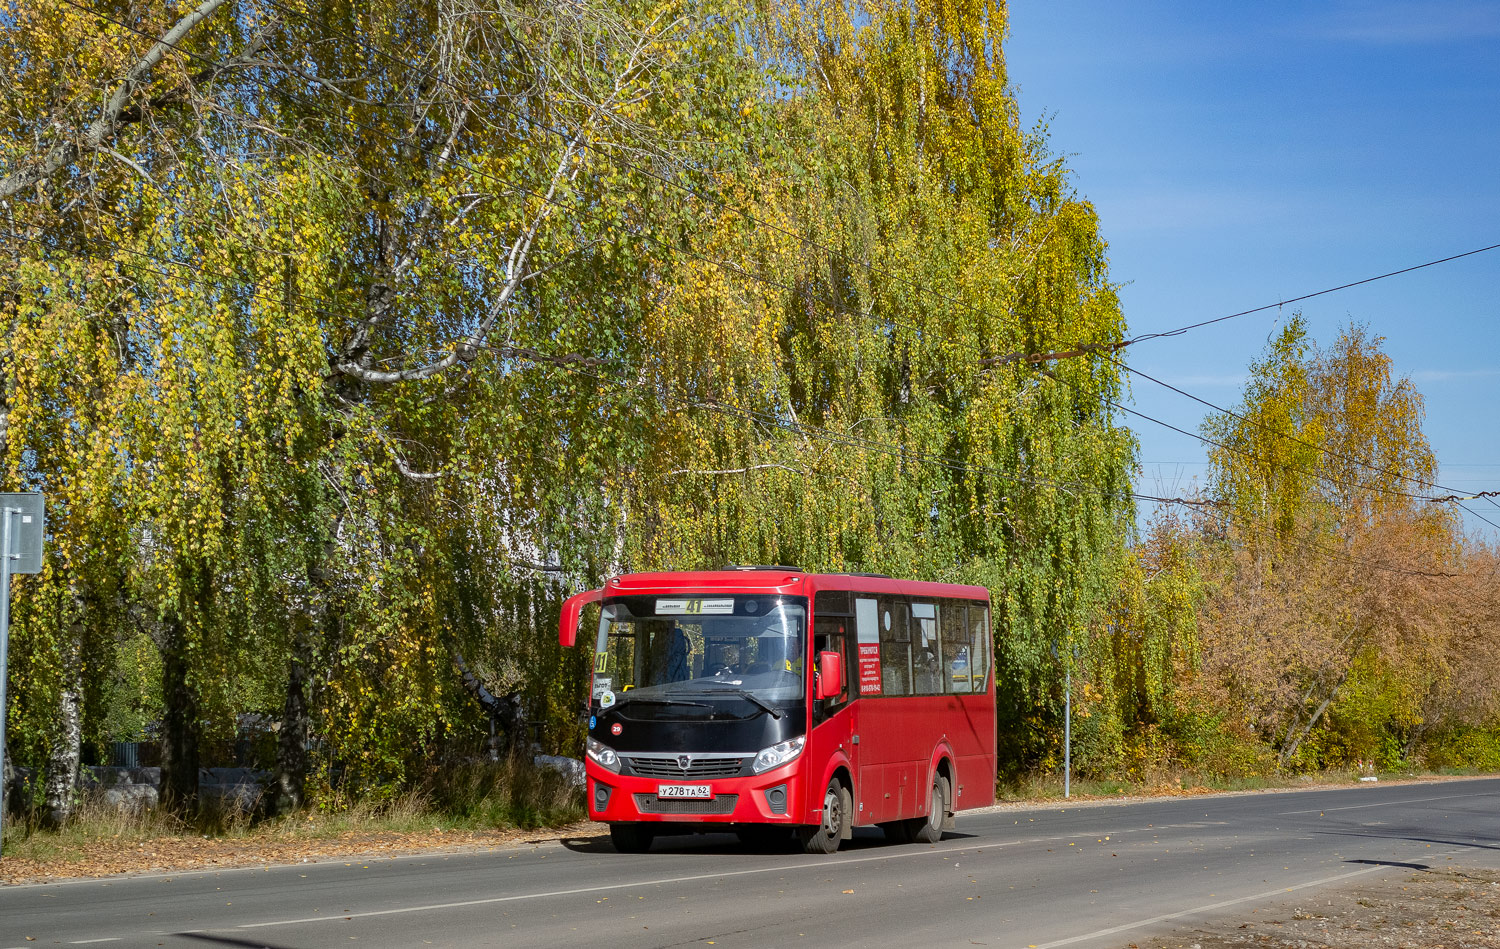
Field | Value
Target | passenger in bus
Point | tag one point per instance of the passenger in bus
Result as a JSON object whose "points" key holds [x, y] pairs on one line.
{"points": [[724, 660], [671, 664]]}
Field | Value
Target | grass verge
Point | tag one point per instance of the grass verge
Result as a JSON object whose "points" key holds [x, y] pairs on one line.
{"points": [[471, 805], [1048, 787]]}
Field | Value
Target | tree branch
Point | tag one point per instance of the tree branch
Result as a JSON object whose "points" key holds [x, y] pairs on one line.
{"points": [[114, 115], [735, 471]]}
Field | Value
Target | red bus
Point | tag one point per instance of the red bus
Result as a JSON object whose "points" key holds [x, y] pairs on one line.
{"points": [[765, 701]]}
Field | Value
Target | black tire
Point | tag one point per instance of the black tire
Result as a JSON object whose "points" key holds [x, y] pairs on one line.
{"points": [[631, 838], [929, 829], [826, 837]]}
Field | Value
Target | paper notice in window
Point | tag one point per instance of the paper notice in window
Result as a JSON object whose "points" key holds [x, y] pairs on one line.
{"points": [[869, 668]]}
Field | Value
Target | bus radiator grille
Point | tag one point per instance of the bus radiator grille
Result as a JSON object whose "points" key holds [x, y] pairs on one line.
{"points": [[651, 804], [699, 768]]}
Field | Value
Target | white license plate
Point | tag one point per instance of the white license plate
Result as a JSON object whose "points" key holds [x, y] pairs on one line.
{"points": [[696, 791]]}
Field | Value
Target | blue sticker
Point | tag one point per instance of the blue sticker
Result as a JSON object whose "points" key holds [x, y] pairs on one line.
{"points": [[592, 722]]}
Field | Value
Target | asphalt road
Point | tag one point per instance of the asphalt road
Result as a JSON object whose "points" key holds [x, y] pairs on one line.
{"points": [[1086, 876]]}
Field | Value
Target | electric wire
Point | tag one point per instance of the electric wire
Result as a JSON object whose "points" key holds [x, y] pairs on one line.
{"points": [[834, 304], [1308, 296], [1452, 497], [946, 462], [1327, 553], [714, 405], [1082, 349], [810, 432]]}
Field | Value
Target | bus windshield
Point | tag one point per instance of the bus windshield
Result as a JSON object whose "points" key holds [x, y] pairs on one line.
{"points": [[674, 650]]}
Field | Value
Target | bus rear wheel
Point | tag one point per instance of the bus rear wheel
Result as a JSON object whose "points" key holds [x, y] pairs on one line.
{"points": [[631, 838], [929, 829], [826, 836]]}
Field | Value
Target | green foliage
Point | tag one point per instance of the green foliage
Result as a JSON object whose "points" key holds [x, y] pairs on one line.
{"points": [[316, 382], [332, 382]]}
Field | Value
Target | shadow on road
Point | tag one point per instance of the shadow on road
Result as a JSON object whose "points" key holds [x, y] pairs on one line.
{"points": [[865, 839], [1471, 844], [1393, 863], [231, 941]]}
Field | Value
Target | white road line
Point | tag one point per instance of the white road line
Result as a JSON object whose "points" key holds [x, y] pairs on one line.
{"points": [[1098, 933], [1355, 807], [821, 865], [85, 942]]}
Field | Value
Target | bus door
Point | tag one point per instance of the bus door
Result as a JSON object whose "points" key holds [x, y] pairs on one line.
{"points": [[881, 774], [833, 631]]}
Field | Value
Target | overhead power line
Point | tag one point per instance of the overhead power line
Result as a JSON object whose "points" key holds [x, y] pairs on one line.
{"points": [[588, 366], [1328, 451], [473, 96], [1082, 349], [1086, 349]]}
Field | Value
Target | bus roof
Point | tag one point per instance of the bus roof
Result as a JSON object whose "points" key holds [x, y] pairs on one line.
{"points": [[781, 580]]}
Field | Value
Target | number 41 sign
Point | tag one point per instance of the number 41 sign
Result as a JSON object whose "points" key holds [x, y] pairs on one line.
{"points": [[22, 526]]}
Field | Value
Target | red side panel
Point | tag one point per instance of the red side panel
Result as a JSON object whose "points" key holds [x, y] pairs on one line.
{"points": [[567, 627]]}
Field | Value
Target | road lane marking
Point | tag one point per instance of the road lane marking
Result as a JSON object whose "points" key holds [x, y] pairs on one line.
{"points": [[1355, 807], [1099, 933], [85, 942], [816, 865], [823, 865]]}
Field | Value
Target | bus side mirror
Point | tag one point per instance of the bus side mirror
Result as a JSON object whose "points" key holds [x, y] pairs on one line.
{"points": [[830, 675], [572, 612]]}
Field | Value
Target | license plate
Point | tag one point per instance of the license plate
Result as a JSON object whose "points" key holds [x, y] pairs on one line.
{"points": [[695, 791]]}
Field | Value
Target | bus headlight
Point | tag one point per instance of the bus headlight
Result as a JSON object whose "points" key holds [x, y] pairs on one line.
{"points": [[604, 756], [778, 755]]}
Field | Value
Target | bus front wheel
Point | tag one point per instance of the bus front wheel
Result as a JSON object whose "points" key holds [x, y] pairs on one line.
{"points": [[826, 836], [631, 838]]}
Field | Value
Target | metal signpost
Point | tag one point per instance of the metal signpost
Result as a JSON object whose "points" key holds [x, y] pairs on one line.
{"points": [[22, 524], [1067, 722]]}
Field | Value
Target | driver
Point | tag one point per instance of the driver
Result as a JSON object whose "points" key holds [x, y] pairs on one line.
{"points": [[776, 652]]}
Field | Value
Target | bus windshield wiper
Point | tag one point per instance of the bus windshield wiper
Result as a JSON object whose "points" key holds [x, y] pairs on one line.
{"points": [[747, 694], [643, 701]]}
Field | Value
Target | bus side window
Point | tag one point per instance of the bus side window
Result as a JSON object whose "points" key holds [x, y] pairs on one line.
{"points": [[895, 647], [829, 636], [954, 625], [984, 647], [927, 677]]}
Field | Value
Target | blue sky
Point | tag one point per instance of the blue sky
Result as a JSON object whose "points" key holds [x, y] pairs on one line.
{"points": [[1243, 154]]}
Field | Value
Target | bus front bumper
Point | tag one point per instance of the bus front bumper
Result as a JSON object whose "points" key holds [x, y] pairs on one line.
{"points": [[771, 798]]}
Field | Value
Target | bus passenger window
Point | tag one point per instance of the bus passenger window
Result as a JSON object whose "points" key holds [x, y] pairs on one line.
{"points": [[979, 656], [953, 618], [895, 648], [927, 677]]}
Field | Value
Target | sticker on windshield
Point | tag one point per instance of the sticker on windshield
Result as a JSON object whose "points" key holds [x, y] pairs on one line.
{"points": [[602, 684], [616, 728], [718, 607], [593, 723], [606, 699]]}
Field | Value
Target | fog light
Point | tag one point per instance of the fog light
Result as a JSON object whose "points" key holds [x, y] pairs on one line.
{"points": [[601, 796], [776, 799]]}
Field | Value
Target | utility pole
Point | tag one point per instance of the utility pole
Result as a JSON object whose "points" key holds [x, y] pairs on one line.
{"points": [[1068, 732], [22, 525], [1067, 717]]}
